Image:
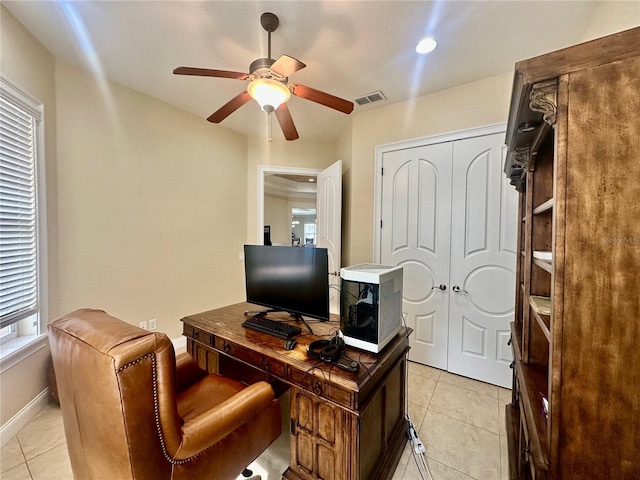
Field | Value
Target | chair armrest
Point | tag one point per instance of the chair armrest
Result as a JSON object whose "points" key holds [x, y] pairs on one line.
{"points": [[187, 371], [213, 425]]}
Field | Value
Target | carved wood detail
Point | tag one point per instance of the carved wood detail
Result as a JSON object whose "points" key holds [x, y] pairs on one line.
{"points": [[522, 157], [544, 99]]}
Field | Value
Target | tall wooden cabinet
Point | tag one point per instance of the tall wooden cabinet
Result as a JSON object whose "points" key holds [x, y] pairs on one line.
{"points": [[574, 155]]}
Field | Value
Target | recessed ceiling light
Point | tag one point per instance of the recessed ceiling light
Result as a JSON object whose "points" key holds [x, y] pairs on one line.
{"points": [[312, 179], [426, 45]]}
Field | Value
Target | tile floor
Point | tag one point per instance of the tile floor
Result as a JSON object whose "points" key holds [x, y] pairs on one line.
{"points": [[459, 420]]}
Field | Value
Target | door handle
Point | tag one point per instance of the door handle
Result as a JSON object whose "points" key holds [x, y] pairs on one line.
{"points": [[457, 289], [442, 286]]}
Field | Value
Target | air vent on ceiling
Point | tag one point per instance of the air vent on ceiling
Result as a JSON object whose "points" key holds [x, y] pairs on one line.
{"points": [[370, 98]]}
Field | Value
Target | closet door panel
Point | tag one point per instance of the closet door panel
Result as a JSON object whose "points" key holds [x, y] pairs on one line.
{"points": [[427, 226], [400, 207], [482, 263], [416, 215]]}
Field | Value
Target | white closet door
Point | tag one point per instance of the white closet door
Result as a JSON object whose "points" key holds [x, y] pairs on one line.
{"points": [[416, 216], [483, 249], [449, 218]]}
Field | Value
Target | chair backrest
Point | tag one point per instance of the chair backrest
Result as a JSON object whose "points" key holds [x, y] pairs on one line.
{"points": [[116, 385]]}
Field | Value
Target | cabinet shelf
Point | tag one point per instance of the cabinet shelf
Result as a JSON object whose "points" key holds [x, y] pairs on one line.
{"points": [[544, 260], [541, 307], [544, 207], [546, 265], [533, 380], [543, 255]]}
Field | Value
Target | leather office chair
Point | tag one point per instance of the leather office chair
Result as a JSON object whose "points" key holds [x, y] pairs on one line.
{"points": [[132, 410]]}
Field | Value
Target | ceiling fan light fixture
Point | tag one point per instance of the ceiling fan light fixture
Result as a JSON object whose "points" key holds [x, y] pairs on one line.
{"points": [[268, 86], [269, 93]]}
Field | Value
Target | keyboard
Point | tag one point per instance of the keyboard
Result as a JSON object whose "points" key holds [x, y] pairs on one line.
{"points": [[272, 327]]}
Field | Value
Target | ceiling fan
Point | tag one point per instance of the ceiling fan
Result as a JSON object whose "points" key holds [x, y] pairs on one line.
{"points": [[269, 86]]}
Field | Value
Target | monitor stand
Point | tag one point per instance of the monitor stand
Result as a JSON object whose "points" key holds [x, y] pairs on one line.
{"points": [[300, 318], [296, 316]]}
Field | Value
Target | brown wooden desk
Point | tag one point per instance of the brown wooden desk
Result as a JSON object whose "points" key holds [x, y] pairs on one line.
{"points": [[343, 425]]}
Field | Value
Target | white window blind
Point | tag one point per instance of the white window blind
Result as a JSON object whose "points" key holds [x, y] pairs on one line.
{"points": [[18, 232]]}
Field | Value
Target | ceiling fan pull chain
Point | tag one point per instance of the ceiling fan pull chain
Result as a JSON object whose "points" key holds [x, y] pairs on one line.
{"points": [[269, 128]]}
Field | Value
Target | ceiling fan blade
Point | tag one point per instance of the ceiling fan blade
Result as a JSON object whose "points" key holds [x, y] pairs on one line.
{"points": [[322, 98], [286, 65], [229, 107], [206, 72], [286, 122]]}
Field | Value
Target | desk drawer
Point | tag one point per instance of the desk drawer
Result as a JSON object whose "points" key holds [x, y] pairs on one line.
{"points": [[311, 383], [251, 357], [198, 335]]}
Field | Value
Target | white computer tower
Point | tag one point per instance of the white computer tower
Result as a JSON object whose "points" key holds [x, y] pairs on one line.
{"points": [[370, 305]]}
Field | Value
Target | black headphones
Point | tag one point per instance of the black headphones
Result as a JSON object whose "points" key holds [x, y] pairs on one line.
{"points": [[326, 350]]}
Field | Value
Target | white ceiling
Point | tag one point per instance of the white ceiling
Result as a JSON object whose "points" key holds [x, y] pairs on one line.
{"points": [[351, 48], [290, 186]]}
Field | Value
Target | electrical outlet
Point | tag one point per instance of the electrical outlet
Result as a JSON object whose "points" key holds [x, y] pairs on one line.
{"points": [[143, 324], [152, 324], [241, 257]]}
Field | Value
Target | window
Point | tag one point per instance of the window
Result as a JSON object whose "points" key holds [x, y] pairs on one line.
{"points": [[22, 219]]}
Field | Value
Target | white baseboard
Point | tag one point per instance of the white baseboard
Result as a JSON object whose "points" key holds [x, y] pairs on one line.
{"points": [[179, 344], [28, 413], [24, 416]]}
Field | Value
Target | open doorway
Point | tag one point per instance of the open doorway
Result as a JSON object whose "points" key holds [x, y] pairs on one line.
{"points": [[303, 226], [290, 210], [325, 230], [286, 195]]}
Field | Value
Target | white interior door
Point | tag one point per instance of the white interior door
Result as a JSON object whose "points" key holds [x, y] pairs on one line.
{"points": [[329, 219], [483, 249], [416, 216]]}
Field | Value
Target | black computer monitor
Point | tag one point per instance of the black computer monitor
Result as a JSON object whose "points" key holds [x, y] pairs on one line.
{"points": [[267, 235], [289, 279]]}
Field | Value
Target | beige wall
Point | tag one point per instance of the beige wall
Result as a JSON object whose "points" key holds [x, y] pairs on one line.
{"points": [[25, 62], [152, 204], [475, 104], [344, 149], [278, 215]]}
